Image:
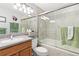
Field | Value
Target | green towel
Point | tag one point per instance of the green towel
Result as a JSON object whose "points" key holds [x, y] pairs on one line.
{"points": [[14, 27], [2, 30], [64, 35], [75, 42]]}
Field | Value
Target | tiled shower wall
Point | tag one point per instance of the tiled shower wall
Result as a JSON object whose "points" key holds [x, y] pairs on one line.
{"points": [[64, 18]]}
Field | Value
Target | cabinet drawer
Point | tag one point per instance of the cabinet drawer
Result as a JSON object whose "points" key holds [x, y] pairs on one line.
{"points": [[16, 48], [17, 54]]}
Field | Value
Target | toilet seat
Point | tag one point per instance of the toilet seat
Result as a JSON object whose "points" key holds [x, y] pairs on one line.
{"points": [[41, 51]]}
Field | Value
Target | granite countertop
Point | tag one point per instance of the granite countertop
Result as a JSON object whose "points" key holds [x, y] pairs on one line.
{"points": [[6, 42]]}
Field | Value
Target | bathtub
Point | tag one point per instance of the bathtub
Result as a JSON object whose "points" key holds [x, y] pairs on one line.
{"points": [[55, 51]]}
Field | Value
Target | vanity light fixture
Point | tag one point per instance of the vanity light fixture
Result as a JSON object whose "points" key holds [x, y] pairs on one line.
{"points": [[24, 8]]}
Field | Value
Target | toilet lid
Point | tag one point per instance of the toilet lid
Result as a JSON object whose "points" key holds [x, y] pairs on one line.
{"points": [[41, 49]]}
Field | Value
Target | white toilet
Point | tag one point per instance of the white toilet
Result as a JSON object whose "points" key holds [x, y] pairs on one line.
{"points": [[40, 51]]}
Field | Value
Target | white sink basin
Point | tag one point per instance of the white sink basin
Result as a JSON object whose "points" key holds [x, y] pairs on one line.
{"points": [[8, 42], [12, 40], [5, 41]]}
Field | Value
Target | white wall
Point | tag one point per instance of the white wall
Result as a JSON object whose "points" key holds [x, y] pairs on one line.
{"points": [[67, 16]]}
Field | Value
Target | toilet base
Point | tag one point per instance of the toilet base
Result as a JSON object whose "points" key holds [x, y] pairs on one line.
{"points": [[40, 51]]}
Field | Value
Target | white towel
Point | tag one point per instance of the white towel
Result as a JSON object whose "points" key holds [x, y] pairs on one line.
{"points": [[70, 32]]}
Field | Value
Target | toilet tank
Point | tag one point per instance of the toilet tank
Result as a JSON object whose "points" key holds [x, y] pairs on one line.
{"points": [[34, 43]]}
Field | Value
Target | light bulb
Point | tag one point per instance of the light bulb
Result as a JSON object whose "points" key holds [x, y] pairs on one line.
{"points": [[43, 18], [20, 9], [24, 11], [52, 21], [23, 6], [29, 15], [31, 11], [28, 8], [15, 7], [28, 12], [18, 4], [47, 18]]}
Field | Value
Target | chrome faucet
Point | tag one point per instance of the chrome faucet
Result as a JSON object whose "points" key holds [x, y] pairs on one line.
{"points": [[11, 37]]}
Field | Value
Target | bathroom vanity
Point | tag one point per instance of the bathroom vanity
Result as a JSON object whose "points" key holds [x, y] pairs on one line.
{"points": [[21, 48]]}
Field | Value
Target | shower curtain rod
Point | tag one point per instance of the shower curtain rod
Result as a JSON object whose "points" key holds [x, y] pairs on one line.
{"points": [[50, 11]]}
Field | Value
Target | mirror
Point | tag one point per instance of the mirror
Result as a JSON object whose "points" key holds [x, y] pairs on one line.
{"points": [[10, 21], [29, 24]]}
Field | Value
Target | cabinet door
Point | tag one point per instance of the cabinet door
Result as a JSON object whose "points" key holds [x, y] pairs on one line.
{"points": [[26, 52]]}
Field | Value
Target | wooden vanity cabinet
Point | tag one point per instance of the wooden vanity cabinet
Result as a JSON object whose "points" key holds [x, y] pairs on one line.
{"points": [[26, 52], [21, 49]]}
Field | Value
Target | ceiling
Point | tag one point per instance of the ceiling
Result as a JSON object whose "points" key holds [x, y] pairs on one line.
{"points": [[51, 6], [37, 7], [9, 6], [41, 6]]}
